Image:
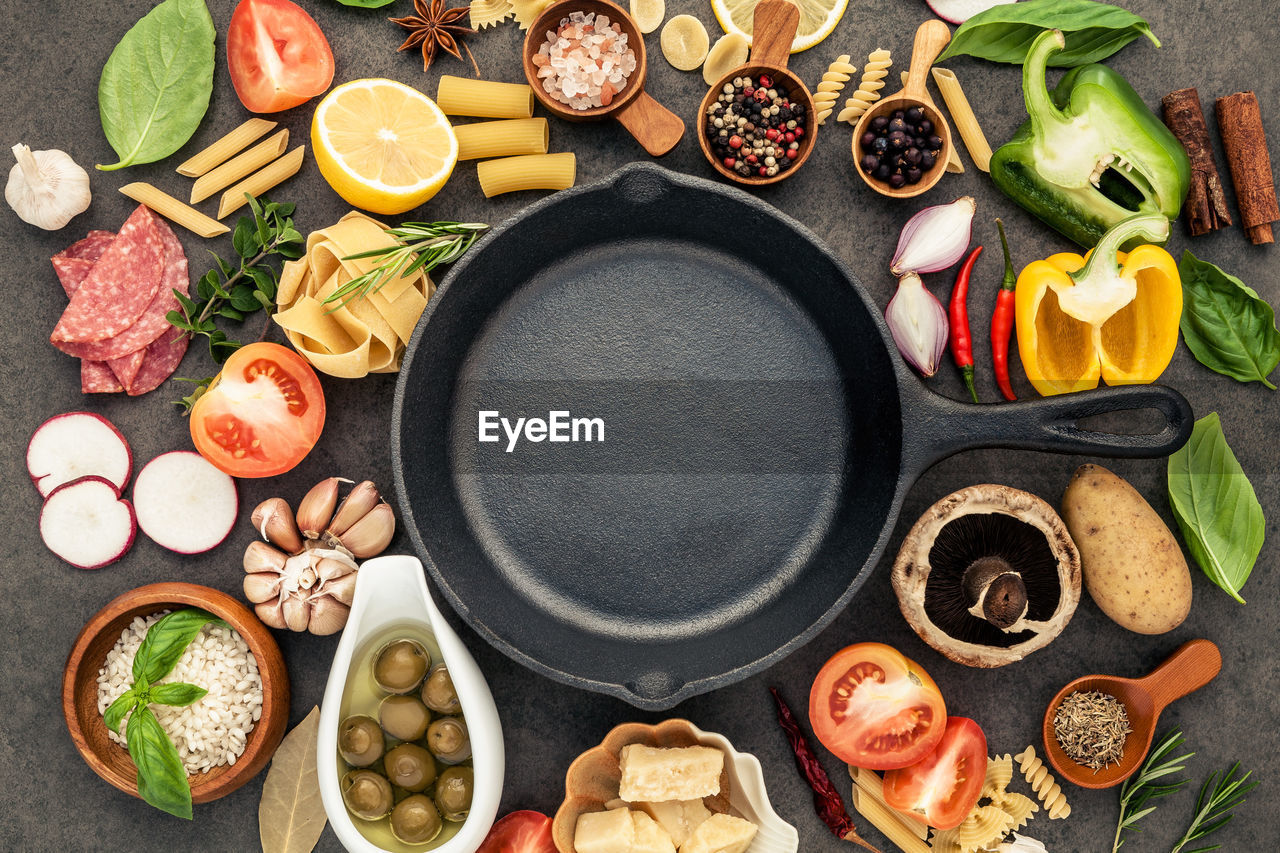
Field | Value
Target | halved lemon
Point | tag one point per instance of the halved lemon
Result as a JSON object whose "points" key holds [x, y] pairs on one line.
{"points": [[383, 146], [818, 19]]}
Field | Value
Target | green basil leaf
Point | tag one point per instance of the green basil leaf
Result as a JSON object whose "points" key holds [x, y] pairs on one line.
{"points": [[176, 693], [230, 313], [1227, 326], [165, 642], [162, 780], [155, 87], [118, 709], [1004, 33], [1216, 507]]}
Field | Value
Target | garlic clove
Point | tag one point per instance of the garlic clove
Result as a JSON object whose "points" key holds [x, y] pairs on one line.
{"points": [[271, 614], [317, 507], [354, 507], [307, 578], [342, 588], [274, 521], [261, 586], [261, 557], [297, 613], [369, 536], [327, 616], [46, 188], [328, 569]]}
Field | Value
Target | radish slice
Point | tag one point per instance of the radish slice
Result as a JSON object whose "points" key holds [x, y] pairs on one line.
{"points": [[77, 444], [87, 523], [959, 11], [184, 503]]}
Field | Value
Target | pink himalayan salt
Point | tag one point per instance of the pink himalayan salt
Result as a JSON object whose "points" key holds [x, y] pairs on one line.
{"points": [[585, 62]]}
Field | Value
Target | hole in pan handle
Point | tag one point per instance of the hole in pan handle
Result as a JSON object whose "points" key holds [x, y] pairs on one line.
{"points": [[942, 426]]}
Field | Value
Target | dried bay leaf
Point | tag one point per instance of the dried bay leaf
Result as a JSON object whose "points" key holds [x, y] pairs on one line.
{"points": [[291, 815]]}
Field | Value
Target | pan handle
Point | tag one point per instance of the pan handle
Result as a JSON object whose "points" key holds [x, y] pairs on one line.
{"points": [[1050, 424]]}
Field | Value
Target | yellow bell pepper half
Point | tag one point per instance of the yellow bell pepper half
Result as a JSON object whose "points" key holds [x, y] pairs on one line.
{"points": [[1107, 315]]}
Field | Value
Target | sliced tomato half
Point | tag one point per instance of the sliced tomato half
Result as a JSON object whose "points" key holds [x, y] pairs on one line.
{"points": [[261, 415], [520, 832], [277, 55], [944, 787], [875, 708]]}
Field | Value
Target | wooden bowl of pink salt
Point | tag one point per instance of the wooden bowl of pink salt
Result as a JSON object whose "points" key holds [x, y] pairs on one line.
{"points": [[585, 60]]}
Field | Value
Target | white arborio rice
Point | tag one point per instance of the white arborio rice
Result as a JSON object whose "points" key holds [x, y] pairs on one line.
{"points": [[211, 731]]}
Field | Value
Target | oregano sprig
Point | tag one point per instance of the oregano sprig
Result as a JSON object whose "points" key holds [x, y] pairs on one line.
{"points": [[1140, 788], [420, 246], [1214, 807], [234, 292]]}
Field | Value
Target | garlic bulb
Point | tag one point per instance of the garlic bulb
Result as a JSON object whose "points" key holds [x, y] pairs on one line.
{"points": [[46, 188]]}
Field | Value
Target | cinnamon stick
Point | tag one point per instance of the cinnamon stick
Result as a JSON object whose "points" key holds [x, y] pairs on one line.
{"points": [[1206, 205], [1245, 144]]}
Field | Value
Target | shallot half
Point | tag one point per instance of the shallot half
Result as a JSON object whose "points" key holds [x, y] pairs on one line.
{"points": [[935, 238], [918, 323]]}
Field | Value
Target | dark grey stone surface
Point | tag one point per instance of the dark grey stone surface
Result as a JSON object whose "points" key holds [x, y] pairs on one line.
{"points": [[48, 73]]}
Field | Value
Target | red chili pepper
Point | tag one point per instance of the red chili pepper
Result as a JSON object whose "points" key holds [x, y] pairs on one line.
{"points": [[961, 339], [826, 799], [1002, 321]]}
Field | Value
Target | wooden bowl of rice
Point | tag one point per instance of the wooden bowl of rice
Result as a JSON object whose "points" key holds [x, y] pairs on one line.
{"points": [[80, 688]]}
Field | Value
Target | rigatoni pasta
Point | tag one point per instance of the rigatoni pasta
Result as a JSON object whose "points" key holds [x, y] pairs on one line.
{"points": [[529, 172], [259, 182], [173, 210], [963, 118], [234, 142], [459, 96], [501, 138], [239, 166]]}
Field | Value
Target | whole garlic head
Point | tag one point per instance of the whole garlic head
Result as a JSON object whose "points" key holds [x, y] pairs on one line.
{"points": [[1020, 844], [46, 188]]}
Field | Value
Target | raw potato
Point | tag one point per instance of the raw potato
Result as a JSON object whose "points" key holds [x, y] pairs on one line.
{"points": [[684, 42], [729, 52], [648, 14], [1132, 565]]}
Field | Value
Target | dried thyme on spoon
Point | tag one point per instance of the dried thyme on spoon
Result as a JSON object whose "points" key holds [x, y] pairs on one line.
{"points": [[1092, 728]]}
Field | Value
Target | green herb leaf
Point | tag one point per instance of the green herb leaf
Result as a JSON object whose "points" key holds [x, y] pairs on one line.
{"points": [[1137, 790], [118, 709], [176, 693], [162, 780], [187, 402], [367, 4], [165, 641], [1227, 326], [155, 87], [419, 246], [1214, 810], [1216, 507], [1004, 33]]}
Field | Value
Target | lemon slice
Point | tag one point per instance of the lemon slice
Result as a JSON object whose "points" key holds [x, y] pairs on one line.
{"points": [[648, 14], [383, 146], [818, 18], [684, 42], [729, 52]]}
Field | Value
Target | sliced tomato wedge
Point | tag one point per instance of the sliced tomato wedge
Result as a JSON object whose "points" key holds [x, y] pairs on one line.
{"points": [[875, 708], [520, 832], [277, 54], [261, 415], [943, 788]]}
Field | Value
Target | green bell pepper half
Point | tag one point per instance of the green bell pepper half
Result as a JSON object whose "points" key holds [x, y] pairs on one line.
{"points": [[1062, 164]]}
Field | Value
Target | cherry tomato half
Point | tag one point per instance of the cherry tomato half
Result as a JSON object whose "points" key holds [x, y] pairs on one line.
{"points": [[261, 415], [520, 832], [874, 708], [277, 54], [944, 787]]}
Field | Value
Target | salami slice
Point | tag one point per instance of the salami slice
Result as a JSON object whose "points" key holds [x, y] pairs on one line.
{"points": [[91, 248], [71, 271], [119, 287], [163, 357], [96, 378], [126, 366], [72, 266]]}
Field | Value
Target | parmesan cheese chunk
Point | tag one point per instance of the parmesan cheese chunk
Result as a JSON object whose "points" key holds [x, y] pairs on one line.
{"points": [[721, 833], [604, 832], [649, 836], [656, 775], [678, 817]]}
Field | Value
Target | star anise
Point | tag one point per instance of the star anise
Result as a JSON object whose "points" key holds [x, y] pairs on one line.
{"points": [[435, 27]]}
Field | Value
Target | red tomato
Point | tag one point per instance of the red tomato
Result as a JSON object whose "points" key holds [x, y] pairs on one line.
{"points": [[941, 789], [277, 55], [261, 415], [520, 832], [874, 708]]}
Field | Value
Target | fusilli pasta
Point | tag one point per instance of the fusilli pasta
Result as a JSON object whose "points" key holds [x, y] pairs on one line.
{"points": [[1039, 778], [824, 97], [873, 74]]}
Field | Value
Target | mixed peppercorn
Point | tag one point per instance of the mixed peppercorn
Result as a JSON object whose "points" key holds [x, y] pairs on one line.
{"points": [[900, 148], [754, 128]]}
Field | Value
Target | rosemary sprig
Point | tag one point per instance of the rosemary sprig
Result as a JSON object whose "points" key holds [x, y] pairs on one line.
{"points": [[1138, 790], [234, 293], [420, 246], [1214, 810]]}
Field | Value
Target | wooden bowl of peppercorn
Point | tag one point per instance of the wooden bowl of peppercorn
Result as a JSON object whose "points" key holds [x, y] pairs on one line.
{"points": [[774, 28]]}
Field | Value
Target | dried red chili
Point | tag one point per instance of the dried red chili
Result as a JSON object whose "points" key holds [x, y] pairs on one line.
{"points": [[1002, 321], [961, 337], [826, 799]]}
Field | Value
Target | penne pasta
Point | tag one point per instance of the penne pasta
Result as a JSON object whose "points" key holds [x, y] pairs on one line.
{"points": [[501, 138], [173, 210], [237, 167], [460, 96], [872, 785], [530, 172], [259, 182], [890, 825], [963, 118], [232, 143]]}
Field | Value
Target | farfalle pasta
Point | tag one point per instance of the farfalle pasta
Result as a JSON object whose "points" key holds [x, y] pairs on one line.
{"points": [[363, 335], [999, 775]]}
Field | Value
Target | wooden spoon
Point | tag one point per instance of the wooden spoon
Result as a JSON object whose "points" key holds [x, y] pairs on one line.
{"points": [[1191, 667], [655, 127], [931, 38]]}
